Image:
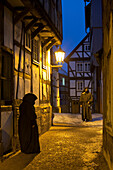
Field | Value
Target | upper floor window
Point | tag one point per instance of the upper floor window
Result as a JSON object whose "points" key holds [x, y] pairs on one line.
{"points": [[36, 50], [87, 47], [28, 40], [44, 57], [63, 81], [5, 77], [79, 67], [87, 67], [80, 85]]}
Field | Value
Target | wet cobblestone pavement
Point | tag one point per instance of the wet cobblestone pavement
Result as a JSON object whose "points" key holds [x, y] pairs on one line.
{"points": [[64, 147]]}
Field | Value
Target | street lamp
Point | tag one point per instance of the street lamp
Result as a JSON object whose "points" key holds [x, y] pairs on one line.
{"points": [[59, 54]]}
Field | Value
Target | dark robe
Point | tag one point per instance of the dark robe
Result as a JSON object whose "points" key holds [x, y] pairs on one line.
{"points": [[28, 129], [86, 99]]}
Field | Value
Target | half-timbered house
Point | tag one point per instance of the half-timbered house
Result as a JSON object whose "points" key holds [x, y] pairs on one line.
{"points": [[28, 30], [79, 72]]}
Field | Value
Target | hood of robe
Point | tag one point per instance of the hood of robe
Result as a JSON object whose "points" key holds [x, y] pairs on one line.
{"points": [[29, 97]]}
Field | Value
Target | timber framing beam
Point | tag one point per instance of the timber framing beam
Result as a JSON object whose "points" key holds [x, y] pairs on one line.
{"points": [[71, 70], [20, 16], [28, 17], [80, 59], [88, 74], [19, 8], [41, 26], [87, 54], [80, 78], [78, 54], [47, 41], [31, 24], [51, 44]]}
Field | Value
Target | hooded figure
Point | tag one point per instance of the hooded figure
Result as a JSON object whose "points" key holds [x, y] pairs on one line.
{"points": [[85, 101], [27, 126]]}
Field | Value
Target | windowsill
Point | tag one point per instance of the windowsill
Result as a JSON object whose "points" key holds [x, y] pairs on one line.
{"points": [[36, 62], [29, 49]]}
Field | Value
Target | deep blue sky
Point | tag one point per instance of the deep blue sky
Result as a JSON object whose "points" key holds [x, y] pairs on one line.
{"points": [[73, 16]]}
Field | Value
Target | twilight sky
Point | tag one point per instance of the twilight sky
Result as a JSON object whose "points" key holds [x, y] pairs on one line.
{"points": [[73, 24]]}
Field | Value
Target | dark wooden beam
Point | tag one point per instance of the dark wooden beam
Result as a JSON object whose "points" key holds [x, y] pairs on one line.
{"points": [[80, 78], [71, 71], [81, 74], [80, 59], [28, 17], [37, 31], [88, 74], [20, 16], [87, 54], [51, 44], [78, 54], [47, 41], [19, 8], [37, 24], [30, 25]]}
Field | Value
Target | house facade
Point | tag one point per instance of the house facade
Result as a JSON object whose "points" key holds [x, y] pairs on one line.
{"points": [[28, 31], [102, 35], [107, 69], [63, 89], [93, 22], [79, 74]]}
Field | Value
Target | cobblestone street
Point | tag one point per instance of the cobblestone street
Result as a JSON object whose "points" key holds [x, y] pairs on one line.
{"points": [[73, 146]]}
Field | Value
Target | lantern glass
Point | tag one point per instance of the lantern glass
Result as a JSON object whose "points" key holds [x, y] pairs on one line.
{"points": [[60, 54]]}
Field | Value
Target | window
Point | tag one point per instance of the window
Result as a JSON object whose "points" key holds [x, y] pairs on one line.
{"points": [[28, 40], [80, 85], [63, 81], [6, 77], [79, 67], [87, 47], [44, 58], [87, 67], [36, 50]]}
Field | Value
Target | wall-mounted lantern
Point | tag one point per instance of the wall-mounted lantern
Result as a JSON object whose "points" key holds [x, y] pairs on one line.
{"points": [[59, 54]]}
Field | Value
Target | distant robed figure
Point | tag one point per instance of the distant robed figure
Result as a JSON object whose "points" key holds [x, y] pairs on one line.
{"points": [[27, 126], [85, 101]]}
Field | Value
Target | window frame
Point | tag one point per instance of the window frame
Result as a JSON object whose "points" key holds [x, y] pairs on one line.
{"points": [[88, 67], [78, 88], [6, 77], [77, 66], [26, 46]]}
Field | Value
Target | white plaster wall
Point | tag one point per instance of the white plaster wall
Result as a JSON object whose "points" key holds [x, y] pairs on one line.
{"points": [[36, 83], [72, 65], [20, 88], [86, 83], [16, 62], [72, 92], [8, 28], [79, 93], [7, 129], [27, 86], [18, 31], [72, 83], [28, 63]]}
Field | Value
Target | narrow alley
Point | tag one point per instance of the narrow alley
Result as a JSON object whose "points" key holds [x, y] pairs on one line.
{"points": [[70, 144]]}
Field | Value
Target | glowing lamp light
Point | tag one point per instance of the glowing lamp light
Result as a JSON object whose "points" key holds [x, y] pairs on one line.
{"points": [[60, 54]]}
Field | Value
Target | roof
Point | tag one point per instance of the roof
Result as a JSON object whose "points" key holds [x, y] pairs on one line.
{"points": [[74, 50]]}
